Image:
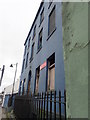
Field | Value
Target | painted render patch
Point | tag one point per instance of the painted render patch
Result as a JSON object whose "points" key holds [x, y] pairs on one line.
{"points": [[75, 45]]}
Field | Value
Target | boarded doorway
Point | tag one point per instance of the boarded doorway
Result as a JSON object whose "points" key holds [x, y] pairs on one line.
{"points": [[29, 80]]}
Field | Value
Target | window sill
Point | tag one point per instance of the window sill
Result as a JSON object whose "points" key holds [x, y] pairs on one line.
{"points": [[39, 49], [51, 33]]}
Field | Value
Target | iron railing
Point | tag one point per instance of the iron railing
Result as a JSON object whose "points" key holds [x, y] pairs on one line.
{"points": [[47, 105]]}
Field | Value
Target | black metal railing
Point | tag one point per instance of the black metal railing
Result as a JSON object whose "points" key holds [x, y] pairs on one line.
{"points": [[43, 105]]}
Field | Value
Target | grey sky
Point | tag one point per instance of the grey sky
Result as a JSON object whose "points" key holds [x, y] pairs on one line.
{"points": [[16, 18]]}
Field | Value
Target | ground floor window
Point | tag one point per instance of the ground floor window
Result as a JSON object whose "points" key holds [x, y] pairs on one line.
{"points": [[20, 89], [23, 91], [51, 72], [29, 80], [37, 79]]}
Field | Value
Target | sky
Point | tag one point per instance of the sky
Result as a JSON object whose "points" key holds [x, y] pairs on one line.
{"points": [[16, 18]]}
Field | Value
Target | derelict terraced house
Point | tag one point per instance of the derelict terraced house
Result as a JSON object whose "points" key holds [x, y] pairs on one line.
{"points": [[46, 68], [43, 64]]}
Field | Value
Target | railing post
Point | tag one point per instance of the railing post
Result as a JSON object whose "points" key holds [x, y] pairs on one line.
{"points": [[44, 105], [32, 103], [47, 106], [31, 94], [60, 104], [55, 105], [65, 102], [35, 104], [39, 104], [51, 105]]}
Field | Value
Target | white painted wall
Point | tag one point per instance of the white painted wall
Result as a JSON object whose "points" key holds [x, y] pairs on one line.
{"points": [[8, 89]]}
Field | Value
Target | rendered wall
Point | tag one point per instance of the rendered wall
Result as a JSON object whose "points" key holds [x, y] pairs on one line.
{"points": [[75, 44], [50, 44]]}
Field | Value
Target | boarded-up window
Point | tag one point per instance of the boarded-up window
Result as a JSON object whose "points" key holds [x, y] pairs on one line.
{"points": [[25, 50], [50, 2], [42, 16], [20, 87], [29, 79], [29, 42], [23, 91], [51, 72], [37, 79], [32, 52], [27, 60], [40, 40], [52, 21], [34, 32], [23, 65]]}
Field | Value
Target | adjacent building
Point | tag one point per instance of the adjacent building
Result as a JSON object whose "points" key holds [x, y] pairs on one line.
{"points": [[75, 22], [8, 93]]}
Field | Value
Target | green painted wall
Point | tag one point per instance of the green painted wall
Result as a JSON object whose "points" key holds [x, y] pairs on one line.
{"points": [[75, 45]]}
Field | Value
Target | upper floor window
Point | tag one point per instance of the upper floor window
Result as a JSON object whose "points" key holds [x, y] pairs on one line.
{"points": [[34, 32], [32, 52], [25, 50], [51, 21], [50, 2], [23, 65], [27, 60], [29, 42], [40, 39], [42, 16]]}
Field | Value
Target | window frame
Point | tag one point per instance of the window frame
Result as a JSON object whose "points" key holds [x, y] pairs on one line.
{"points": [[42, 13], [25, 50], [23, 87], [27, 60], [29, 42], [37, 70], [29, 82], [40, 46], [50, 2], [49, 33], [20, 87], [23, 65], [47, 72], [34, 32], [32, 52]]}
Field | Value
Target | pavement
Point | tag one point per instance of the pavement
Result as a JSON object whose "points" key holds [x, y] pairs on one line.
{"points": [[2, 112]]}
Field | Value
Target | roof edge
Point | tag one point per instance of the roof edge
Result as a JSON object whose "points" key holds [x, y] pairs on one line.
{"points": [[41, 4]]}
